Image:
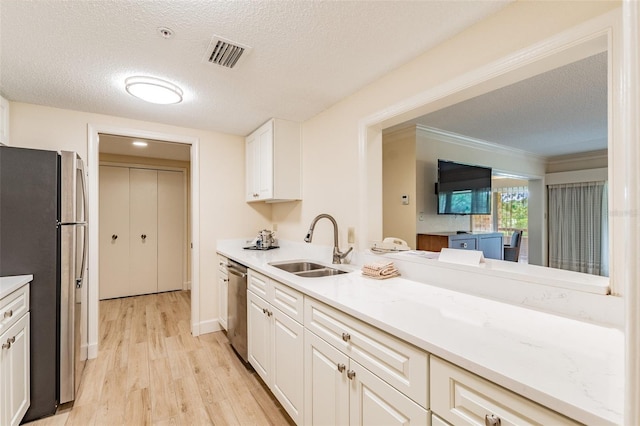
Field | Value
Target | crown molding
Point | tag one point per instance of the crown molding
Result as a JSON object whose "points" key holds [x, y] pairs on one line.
{"points": [[474, 143]]}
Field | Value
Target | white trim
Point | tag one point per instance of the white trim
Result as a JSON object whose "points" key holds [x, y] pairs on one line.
{"points": [[630, 275], [93, 162], [209, 326]]}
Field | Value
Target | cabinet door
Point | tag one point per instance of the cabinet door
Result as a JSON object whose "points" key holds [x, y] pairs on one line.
{"points": [[143, 205], [265, 159], [259, 336], [287, 379], [15, 372], [252, 172], [171, 241], [373, 401], [114, 232], [326, 387], [223, 292]]}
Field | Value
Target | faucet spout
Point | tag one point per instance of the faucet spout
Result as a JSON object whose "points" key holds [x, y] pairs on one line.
{"points": [[337, 254]]}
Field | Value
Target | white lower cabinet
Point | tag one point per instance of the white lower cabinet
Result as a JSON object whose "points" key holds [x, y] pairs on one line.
{"points": [[276, 341], [15, 366], [223, 292], [340, 391], [462, 398]]}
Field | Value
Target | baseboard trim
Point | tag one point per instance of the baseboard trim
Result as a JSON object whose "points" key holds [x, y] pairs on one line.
{"points": [[209, 326]]}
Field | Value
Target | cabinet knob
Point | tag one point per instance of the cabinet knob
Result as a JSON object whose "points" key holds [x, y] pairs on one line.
{"points": [[143, 236], [491, 420], [464, 245], [8, 314], [351, 374], [269, 313], [341, 367], [346, 337], [226, 280], [114, 237], [264, 310], [9, 342]]}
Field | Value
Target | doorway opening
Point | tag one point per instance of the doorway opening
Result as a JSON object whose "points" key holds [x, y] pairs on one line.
{"points": [[193, 249]]}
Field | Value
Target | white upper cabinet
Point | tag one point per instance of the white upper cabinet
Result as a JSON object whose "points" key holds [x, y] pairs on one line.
{"points": [[273, 171], [4, 121]]}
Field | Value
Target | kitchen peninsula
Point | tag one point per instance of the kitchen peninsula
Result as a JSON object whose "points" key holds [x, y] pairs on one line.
{"points": [[536, 364]]}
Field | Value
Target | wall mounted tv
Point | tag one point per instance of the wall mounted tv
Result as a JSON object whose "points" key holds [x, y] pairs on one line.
{"points": [[463, 189]]}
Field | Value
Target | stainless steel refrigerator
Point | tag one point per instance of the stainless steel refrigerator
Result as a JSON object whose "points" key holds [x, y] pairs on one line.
{"points": [[43, 232]]}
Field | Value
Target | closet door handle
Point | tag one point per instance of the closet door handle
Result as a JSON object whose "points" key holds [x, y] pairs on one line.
{"points": [[114, 237], [143, 236]]}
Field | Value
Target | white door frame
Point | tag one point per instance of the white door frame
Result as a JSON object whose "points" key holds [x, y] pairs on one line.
{"points": [[93, 161]]}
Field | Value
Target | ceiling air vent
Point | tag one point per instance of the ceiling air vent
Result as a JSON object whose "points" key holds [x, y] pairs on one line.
{"points": [[225, 53]]}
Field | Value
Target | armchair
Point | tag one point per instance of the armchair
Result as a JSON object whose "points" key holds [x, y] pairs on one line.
{"points": [[512, 251]]}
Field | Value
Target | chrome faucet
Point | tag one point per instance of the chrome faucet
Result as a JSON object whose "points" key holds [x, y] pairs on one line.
{"points": [[337, 255]]}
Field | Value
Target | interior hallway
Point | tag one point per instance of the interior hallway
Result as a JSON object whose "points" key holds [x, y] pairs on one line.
{"points": [[151, 370]]}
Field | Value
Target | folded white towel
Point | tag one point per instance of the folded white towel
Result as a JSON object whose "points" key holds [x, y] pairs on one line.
{"points": [[380, 270]]}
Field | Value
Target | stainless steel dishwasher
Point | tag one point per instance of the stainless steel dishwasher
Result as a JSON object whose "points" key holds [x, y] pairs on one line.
{"points": [[237, 314]]}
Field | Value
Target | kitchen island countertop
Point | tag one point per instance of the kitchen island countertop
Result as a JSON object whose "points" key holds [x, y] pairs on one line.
{"points": [[573, 367]]}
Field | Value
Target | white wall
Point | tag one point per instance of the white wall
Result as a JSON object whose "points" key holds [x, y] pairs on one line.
{"points": [[223, 211]]}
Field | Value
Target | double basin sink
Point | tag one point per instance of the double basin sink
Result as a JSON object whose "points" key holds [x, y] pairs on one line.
{"points": [[307, 269]]}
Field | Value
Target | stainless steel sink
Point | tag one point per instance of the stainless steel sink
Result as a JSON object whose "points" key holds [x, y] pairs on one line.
{"points": [[295, 267], [307, 269]]}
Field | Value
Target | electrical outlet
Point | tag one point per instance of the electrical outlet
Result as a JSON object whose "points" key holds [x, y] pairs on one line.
{"points": [[351, 237]]}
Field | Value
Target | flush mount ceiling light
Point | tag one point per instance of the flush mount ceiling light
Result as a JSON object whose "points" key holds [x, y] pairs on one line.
{"points": [[153, 90], [139, 143]]}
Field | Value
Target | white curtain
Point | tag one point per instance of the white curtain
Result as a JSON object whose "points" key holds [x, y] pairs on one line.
{"points": [[578, 227]]}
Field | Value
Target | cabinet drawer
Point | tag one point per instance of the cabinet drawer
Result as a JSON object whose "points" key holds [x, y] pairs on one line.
{"points": [[463, 243], [400, 364], [13, 306], [259, 284], [222, 264], [288, 300], [462, 398]]}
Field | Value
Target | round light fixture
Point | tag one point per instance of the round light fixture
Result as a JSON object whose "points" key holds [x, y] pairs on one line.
{"points": [[153, 90]]}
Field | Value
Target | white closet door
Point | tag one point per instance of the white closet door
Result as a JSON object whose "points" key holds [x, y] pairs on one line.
{"points": [[170, 230], [114, 232], [143, 205]]}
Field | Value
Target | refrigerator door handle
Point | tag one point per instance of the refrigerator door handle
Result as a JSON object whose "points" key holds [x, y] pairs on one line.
{"points": [[85, 223]]}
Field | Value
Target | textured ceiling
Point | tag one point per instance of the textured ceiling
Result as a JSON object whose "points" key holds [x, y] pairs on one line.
{"points": [[306, 55], [559, 112]]}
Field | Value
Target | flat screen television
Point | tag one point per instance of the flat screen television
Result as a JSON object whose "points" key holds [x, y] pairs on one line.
{"points": [[463, 189]]}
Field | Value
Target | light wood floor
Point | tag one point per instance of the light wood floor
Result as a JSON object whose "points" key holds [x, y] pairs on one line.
{"points": [[150, 370]]}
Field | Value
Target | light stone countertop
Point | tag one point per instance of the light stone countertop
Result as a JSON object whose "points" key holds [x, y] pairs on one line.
{"points": [[573, 367], [10, 284]]}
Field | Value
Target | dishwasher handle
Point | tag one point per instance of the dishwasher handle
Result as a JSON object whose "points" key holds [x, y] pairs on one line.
{"points": [[235, 271]]}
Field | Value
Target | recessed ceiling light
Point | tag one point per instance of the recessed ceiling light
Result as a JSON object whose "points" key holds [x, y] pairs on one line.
{"points": [[153, 90], [139, 143]]}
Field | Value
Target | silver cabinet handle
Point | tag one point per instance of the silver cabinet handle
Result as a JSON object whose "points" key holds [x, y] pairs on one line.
{"points": [[341, 367], [114, 237], [346, 337], [351, 374], [8, 314], [491, 420]]}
